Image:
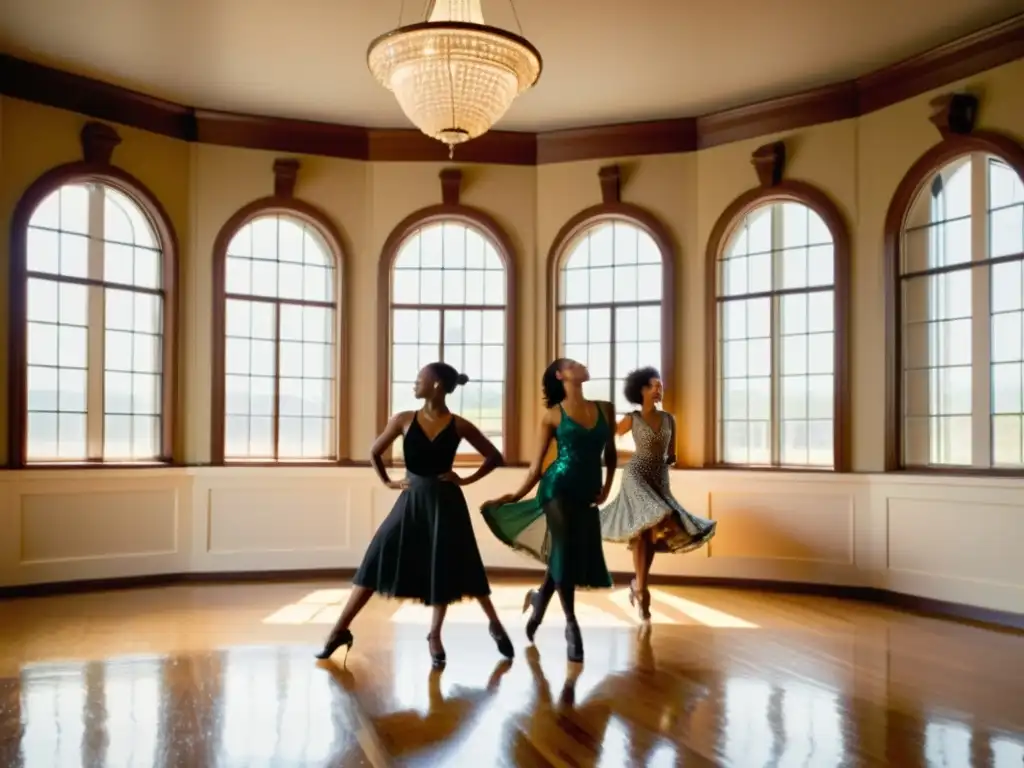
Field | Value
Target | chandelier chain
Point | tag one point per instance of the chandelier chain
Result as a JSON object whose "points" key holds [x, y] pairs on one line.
{"points": [[428, 6], [515, 15], [401, 11]]}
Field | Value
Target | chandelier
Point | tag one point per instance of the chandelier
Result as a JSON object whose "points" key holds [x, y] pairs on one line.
{"points": [[453, 75]]}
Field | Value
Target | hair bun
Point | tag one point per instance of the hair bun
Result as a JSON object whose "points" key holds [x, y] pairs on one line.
{"points": [[461, 379]]}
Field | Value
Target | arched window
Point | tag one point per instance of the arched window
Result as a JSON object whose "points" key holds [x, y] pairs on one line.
{"points": [[777, 260], [961, 310], [277, 281], [92, 333], [450, 287], [611, 287]]}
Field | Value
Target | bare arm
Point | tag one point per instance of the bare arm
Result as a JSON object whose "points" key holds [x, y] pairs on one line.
{"points": [[547, 432], [611, 454], [394, 429], [671, 440], [625, 425], [492, 456]]}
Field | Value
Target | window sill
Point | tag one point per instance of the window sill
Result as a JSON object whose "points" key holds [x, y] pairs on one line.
{"points": [[980, 472], [69, 465], [764, 468], [291, 463]]}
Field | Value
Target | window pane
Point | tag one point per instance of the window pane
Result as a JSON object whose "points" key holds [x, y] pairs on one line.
{"points": [[455, 266], [618, 266], [56, 332], [779, 347], [279, 257]]}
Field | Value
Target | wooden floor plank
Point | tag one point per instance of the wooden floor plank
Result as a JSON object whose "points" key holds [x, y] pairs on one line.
{"points": [[223, 675]]}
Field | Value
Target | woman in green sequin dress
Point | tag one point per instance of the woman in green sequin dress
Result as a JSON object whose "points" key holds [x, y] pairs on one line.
{"points": [[561, 526]]}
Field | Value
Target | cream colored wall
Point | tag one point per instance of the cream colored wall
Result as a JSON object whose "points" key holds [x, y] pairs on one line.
{"points": [[887, 530], [35, 139], [857, 162]]}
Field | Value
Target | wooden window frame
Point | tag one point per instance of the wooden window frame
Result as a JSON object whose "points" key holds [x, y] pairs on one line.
{"points": [[98, 142], [282, 205], [610, 211], [952, 146], [785, 190], [441, 213]]}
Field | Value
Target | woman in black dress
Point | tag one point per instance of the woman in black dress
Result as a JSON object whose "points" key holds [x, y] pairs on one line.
{"points": [[425, 550]]}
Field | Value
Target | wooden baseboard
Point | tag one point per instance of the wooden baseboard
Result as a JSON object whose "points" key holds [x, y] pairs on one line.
{"points": [[993, 619]]}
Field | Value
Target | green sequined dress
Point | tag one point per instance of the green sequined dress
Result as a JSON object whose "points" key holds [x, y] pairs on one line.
{"points": [[561, 525]]}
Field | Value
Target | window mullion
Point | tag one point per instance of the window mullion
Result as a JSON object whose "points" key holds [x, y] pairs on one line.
{"points": [[775, 425], [276, 425], [96, 337], [981, 323]]}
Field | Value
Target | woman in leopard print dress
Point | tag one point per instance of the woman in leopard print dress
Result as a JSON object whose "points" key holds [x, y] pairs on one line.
{"points": [[645, 513]]}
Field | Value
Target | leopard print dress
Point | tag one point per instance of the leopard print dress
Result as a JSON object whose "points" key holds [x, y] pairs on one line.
{"points": [[645, 501]]}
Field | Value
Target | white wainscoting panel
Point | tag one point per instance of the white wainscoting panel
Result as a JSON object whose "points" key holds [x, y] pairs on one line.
{"points": [[73, 525], [957, 540], [948, 539]]}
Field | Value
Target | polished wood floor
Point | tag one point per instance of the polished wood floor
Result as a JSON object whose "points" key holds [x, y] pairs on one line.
{"points": [[188, 677]]}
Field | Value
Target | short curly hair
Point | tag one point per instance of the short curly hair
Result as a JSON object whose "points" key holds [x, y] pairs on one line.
{"points": [[636, 381]]}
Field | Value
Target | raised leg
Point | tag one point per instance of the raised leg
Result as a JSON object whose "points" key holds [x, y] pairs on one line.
{"points": [[496, 629], [538, 600], [340, 634]]}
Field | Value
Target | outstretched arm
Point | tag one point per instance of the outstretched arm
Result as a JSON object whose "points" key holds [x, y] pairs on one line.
{"points": [[625, 425], [611, 454], [492, 456], [394, 429], [547, 432]]}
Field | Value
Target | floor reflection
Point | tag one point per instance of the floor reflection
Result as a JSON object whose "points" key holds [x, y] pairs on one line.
{"points": [[224, 677]]}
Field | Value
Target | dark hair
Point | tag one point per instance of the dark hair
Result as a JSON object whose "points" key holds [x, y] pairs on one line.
{"points": [[551, 386], [448, 376], [636, 381]]}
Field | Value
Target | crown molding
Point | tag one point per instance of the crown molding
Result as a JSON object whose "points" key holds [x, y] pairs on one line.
{"points": [[960, 59]]}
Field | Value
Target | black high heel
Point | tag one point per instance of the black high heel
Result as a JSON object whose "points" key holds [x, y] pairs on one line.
{"points": [[574, 642], [501, 638], [438, 659], [334, 642], [534, 600]]}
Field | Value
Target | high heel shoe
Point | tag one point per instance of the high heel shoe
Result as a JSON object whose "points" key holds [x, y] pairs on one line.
{"points": [[534, 600], [438, 658], [334, 642], [501, 638], [632, 593], [645, 606], [574, 642]]}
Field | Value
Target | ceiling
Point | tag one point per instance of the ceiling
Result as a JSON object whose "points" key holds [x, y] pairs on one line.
{"points": [[603, 63]]}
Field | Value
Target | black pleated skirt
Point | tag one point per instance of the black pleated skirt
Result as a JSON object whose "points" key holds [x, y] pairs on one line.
{"points": [[425, 549]]}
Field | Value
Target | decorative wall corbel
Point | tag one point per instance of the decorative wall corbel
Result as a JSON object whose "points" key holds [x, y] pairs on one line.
{"points": [[99, 141], [286, 173], [451, 185], [610, 177], [770, 163], [954, 114]]}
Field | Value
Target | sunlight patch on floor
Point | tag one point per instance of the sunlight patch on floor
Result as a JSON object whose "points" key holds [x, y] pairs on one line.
{"points": [[598, 609], [470, 612], [620, 598], [709, 617], [319, 607]]}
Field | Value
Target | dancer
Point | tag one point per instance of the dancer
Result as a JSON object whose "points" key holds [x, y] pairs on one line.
{"points": [[560, 526], [425, 549], [645, 514]]}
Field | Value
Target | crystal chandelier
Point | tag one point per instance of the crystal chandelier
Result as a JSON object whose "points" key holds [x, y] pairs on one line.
{"points": [[453, 75]]}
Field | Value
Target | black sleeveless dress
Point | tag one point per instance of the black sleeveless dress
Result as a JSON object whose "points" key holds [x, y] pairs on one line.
{"points": [[425, 549]]}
